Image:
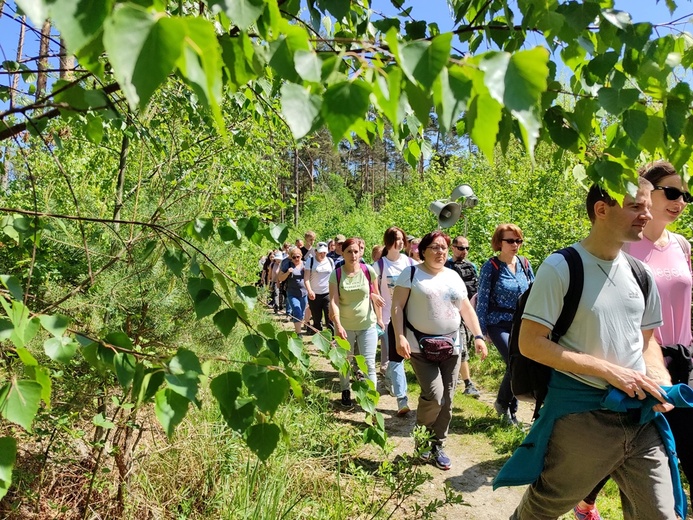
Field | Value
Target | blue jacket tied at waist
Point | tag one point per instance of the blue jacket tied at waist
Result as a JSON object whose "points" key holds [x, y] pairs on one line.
{"points": [[568, 395]]}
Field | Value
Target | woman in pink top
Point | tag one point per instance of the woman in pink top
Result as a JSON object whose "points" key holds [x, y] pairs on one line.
{"points": [[669, 257]]}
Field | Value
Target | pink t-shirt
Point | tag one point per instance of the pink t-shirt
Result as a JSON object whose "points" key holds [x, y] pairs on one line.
{"points": [[670, 265]]}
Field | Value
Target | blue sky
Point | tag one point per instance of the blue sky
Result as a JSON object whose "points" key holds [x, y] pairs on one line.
{"points": [[430, 10], [641, 10]]}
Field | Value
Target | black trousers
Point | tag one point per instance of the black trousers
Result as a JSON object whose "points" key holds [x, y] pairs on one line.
{"points": [[320, 309]]}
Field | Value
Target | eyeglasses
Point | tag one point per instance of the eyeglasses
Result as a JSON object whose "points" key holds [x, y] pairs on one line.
{"points": [[461, 248], [437, 249], [297, 256], [672, 193], [512, 240]]}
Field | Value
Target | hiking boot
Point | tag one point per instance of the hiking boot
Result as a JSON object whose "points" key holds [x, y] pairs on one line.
{"points": [[472, 391], [346, 398], [441, 460], [586, 514]]}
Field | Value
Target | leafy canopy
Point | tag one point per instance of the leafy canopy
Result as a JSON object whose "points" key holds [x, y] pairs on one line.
{"points": [[343, 65]]}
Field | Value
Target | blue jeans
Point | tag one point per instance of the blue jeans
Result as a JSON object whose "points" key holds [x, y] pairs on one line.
{"points": [[367, 342], [297, 306], [500, 335], [396, 375]]}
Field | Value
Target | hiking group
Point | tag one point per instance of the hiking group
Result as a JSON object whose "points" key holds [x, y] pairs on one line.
{"points": [[617, 397]]}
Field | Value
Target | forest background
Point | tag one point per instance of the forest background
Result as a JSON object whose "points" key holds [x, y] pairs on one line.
{"points": [[152, 152]]}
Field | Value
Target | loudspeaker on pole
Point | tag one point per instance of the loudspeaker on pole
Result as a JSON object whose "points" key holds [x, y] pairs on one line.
{"points": [[448, 213]]}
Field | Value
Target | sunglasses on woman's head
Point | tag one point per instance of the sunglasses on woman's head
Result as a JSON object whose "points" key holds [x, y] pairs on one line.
{"points": [[512, 240], [672, 193]]}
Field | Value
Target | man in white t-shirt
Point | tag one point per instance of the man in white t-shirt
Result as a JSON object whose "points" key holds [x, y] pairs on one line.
{"points": [[609, 344]]}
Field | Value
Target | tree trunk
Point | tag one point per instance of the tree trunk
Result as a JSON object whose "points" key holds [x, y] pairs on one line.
{"points": [[296, 186], [421, 166], [42, 78], [20, 50], [5, 167], [120, 188], [282, 191], [67, 62], [312, 173]]}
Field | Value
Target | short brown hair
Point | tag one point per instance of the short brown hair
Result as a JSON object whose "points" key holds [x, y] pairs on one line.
{"points": [[496, 242], [428, 239]]}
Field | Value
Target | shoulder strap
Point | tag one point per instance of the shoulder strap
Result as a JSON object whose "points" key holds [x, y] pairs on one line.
{"points": [[640, 275], [495, 273], [524, 263], [381, 267], [331, 262], [404, 309], [572, 295], [367, 272]]}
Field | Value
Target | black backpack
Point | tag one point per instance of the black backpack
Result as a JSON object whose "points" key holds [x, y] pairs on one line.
{"points": [[529, 380]]}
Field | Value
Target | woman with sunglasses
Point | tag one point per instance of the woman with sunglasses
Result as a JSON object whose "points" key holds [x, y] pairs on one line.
{"points": [[429, 300], [669, 256], [296, 295], [353, 315], [502, 280]]}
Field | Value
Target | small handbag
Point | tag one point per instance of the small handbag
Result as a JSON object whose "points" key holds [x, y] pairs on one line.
{"points": [[436, 348]]}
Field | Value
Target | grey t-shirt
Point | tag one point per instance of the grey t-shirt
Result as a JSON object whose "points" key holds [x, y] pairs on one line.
{"points": [[611, 315]]}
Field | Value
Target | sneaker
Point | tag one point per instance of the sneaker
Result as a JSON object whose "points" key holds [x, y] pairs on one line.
{"points": [[403, 411], [426, 456], [441, 460], [359, 376], [586, 514], [472, 391], [346, 398]]}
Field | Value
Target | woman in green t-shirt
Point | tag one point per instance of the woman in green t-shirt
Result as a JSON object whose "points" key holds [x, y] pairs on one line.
{"points": [[353, 315]]}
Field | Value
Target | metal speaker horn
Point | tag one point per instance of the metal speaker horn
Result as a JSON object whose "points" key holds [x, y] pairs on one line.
{"points": [[465, 194], [448, 213]]}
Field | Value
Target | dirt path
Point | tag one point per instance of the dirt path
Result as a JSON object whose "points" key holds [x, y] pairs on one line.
{"points": [[474, 460], [474, 465]]}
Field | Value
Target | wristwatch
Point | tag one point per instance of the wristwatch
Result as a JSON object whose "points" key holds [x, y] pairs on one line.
{"points": [[479, 336]]}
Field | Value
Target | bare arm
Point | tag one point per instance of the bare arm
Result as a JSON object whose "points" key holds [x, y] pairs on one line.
{"points": [[654, 360], [306, 282], [399, 300], [472, 321], [536, 345], [378, 302], [284, 275]]}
